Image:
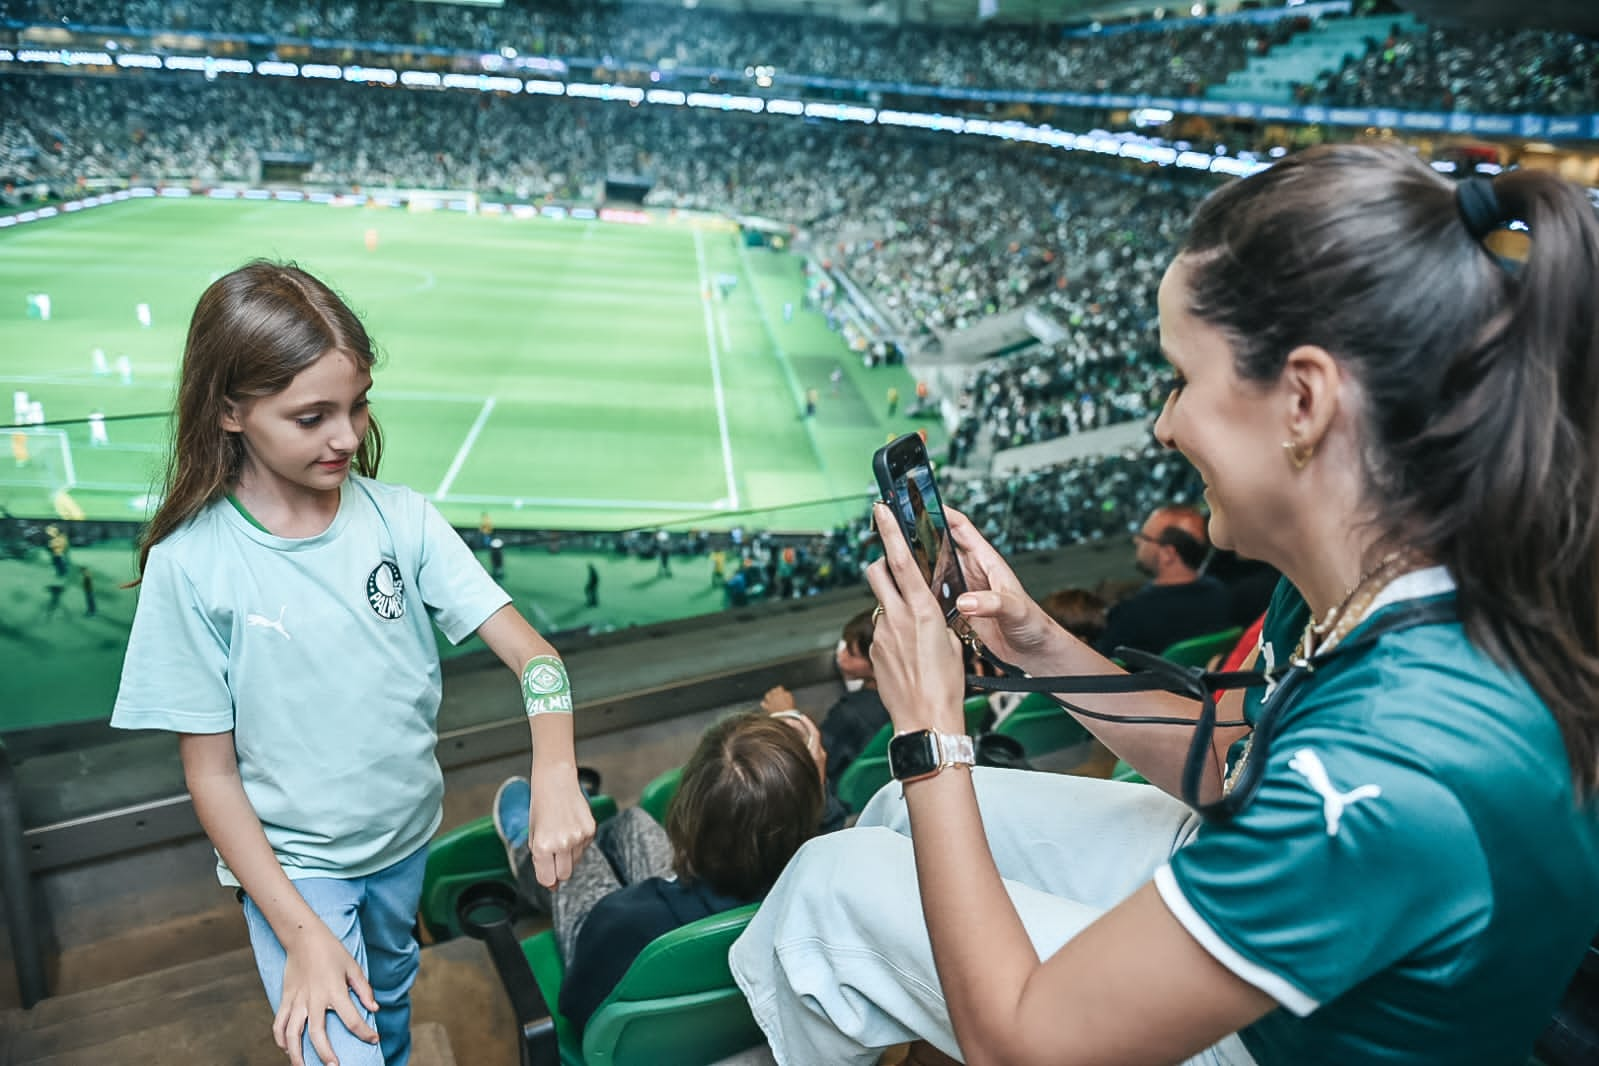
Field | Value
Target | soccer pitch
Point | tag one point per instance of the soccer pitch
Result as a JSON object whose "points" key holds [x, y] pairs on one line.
{"points": [[555, 373]]}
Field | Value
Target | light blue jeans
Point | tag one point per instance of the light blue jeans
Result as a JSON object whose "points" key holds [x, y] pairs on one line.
{"points": [[373, 917], [836, 964]]}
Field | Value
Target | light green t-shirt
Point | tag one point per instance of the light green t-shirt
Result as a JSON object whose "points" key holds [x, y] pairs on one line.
{"points": [[1415, 881], [318, 655]]}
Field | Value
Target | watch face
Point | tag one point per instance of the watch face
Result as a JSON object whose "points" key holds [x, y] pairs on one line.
{"points": [[913, 755]]}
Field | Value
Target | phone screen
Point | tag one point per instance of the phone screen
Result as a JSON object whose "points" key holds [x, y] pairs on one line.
{"points": [[922, 517]]}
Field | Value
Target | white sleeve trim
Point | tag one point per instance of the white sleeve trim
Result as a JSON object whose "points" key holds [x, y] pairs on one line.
{"points": [[1274, 986]]}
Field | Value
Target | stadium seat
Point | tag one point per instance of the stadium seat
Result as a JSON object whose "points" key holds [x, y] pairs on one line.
{"points": [[1124, 772], [869, 771], [657, 795], [677, 1004], [469, 855], [1199, 651], [1042, 725]]}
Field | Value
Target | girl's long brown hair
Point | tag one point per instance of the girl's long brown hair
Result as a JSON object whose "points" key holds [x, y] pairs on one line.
{"points": [[1481, 377], [252, 332]]}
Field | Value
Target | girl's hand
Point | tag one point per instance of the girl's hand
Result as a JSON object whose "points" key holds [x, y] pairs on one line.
{"points": [[1001, 613], [811, 733], [915, 657], [560, 826], [318, 977], [777, 698]]}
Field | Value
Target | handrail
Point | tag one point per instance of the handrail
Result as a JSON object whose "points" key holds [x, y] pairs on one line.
{"points": [[17, 885]]}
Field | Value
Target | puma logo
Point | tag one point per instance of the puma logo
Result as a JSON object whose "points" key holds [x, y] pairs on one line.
{"points": [[269, 623], [1269, 654], [1333, 803]]}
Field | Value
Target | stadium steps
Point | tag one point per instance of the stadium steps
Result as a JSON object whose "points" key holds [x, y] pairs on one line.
{"points": [[213, 1012], [1270, 79]]}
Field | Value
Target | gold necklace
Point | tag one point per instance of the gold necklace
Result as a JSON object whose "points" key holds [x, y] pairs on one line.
{"points": [[1339, 621]]}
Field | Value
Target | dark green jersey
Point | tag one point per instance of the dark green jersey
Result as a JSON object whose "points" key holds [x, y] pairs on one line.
{"points": [[1415, 881]]}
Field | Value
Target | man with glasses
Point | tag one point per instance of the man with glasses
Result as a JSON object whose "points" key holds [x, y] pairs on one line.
{"points": [[1179, 602]]}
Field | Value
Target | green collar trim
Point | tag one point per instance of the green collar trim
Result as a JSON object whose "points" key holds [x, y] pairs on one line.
{"points": [[248, 517]]}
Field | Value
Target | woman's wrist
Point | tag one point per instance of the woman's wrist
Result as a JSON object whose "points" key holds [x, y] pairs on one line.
{"points": [[1053, 654], [939, 717]]}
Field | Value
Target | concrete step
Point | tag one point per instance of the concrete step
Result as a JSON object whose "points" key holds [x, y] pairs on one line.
{"points": [[185, 1042], [212, 1011]]}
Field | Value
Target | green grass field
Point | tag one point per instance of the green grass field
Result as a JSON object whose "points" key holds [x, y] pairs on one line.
{"points": [[556, 373]]}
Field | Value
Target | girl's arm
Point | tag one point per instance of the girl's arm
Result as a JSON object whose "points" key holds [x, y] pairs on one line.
{"points": [[560, 823], [319, 972]]}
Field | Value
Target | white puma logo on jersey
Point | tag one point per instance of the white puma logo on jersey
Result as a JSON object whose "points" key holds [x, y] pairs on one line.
{"points": [[1333, 802], [269, 623], [1269, 654]]}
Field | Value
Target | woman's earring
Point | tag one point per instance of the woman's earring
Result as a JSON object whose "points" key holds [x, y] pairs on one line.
{"points": [[1298, 454]]}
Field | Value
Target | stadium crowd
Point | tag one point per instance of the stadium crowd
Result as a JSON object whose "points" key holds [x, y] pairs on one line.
{"points": [[1178, 60], [1086, 499], [1454, 69], [942, 231], [1483, 70]]}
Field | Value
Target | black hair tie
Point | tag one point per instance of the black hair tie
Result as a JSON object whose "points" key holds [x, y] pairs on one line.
{"points": [[1478, 205]]}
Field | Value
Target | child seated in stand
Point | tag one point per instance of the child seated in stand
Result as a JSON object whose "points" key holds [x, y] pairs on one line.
{"points": [[750, 795]]}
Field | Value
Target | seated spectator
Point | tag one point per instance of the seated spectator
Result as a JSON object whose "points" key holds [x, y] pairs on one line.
{"points": [[857, 716], [750, 795], [1179, 602], [1249, 582]]}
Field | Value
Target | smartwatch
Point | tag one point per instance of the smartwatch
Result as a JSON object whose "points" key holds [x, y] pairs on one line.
{"points": [[923, 753]]}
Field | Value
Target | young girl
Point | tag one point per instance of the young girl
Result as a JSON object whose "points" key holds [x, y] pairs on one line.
{"points": [[283, 632]]}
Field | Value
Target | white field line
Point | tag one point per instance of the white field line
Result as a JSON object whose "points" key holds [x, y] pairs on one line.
{"points": [[573, 501], [721, 325], [716, 373], [465, 449]]}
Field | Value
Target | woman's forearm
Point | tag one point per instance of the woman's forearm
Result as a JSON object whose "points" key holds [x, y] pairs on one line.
{"points": [[1158, 752], [980, 947]]}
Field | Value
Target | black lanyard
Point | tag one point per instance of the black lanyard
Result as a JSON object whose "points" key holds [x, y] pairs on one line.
{"points": [[1160, 675]]}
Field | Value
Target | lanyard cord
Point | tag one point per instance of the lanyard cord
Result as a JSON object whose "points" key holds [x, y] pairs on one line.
{"points": [[1160, 675]]}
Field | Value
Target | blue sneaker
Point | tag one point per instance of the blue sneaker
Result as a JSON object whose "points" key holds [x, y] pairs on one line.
{"points": [[510, 815], [511, 804]]}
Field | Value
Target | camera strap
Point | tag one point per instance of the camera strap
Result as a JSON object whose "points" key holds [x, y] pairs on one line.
{"points": [[1284, 685]]}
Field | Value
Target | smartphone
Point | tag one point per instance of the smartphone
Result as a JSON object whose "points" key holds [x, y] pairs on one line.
{"points": [[905, 479]]}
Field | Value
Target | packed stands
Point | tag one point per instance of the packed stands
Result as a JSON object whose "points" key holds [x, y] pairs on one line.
{"points": [[1477, 70]]}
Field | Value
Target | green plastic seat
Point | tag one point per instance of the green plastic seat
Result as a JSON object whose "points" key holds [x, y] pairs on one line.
{"points": [[869, 772], [1041, 725], [677, 1004], [1124, 772], [657, 795], [468, 855], [1198, 651]]}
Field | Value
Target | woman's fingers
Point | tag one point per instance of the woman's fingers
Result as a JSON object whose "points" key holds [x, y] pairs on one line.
{"points": [[980, 603], [906, 577]]}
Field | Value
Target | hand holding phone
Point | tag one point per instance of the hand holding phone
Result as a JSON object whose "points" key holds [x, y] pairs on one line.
{"points": [[905, 479]]}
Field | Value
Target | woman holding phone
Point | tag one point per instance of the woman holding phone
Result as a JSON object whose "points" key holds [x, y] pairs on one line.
{"points": [[1397, 859]]}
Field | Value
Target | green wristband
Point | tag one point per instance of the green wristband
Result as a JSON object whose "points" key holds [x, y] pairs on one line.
{"points": [[545, 687]]}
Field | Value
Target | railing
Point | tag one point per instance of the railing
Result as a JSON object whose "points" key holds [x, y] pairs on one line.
{"points": [[17, 886]]}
